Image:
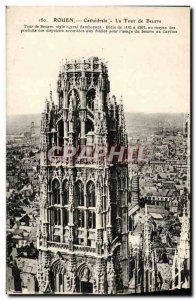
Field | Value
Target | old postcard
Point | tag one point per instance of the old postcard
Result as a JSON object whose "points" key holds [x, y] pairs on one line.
{"points": [[98, 150]]}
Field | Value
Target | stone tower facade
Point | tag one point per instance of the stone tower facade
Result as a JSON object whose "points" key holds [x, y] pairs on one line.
{"points": [[149, 264], [143, 266], [83, 232], [181, 261]]}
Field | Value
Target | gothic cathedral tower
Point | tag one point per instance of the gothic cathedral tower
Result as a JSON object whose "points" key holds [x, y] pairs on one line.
{"points": [[83, 231]]}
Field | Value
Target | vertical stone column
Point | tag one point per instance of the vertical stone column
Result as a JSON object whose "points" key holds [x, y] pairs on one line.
{"points": [[71, 129], [82, 112], [70, 194], [50, 222], [71, 273], [124, 216], [179, 273], [66, 129], [153, 272], [111, 277], [43, 271], [71, 210], [82, 125], [101, 276], [57, 283], [64, 283], [99, 220], [86, 214], [136, 270], [174, 270], [109, 225], [62, 225]]}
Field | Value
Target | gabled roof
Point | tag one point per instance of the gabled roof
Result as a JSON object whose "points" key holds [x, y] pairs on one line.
{"points": [[133, 209], [156, 216]]}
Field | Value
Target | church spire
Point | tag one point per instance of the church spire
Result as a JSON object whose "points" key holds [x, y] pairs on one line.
{"points": [[121, 125], [146, 235]]}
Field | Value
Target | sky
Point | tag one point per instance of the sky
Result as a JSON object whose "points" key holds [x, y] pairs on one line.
{"points": [[150, 71]]}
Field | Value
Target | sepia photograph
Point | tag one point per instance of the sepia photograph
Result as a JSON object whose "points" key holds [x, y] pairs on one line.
{"points": [[98, 130]]}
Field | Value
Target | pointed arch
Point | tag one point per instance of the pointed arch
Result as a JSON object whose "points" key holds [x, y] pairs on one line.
{"points": [[65, 192], [84, 279], [79, 192], [56, 191], [58, 266], [84, 267], [58, 276], [90, 193]]}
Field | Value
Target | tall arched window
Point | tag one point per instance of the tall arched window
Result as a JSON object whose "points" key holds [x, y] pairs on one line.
{"points": [[56, 216], [65, 217], [65, 192], [74, 99], [81, 218], [56, 191], [90, 192], [91, 220], [58, 276], [89, 126], [90, 97], [79, 193], [60, 134], [61, 99]]}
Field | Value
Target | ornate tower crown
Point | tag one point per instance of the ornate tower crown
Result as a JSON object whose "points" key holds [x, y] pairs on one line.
{"points": [[85, 114]]}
